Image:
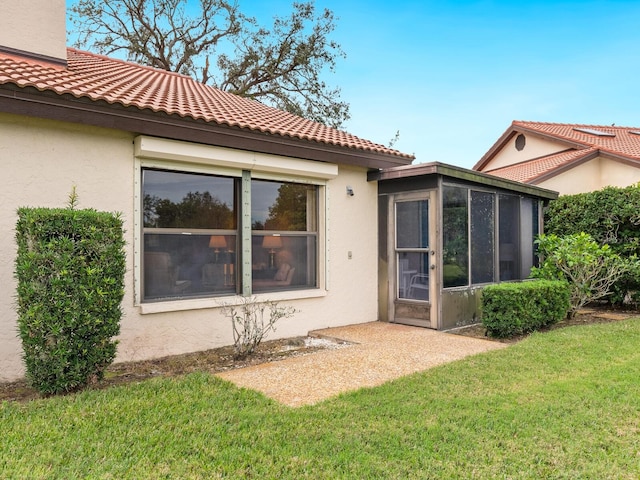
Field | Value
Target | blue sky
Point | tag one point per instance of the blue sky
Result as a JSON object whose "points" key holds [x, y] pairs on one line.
{"points": [[452, 76]]}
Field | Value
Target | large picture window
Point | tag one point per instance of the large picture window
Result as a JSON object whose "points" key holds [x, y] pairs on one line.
{"points": [[192, 230], [190, 226], [284, 235]]}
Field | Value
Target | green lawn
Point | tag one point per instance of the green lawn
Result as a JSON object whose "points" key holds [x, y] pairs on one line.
{"points": [[563, 404]]}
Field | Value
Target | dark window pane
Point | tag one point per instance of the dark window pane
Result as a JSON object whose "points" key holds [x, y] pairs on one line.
{"points": [[187, 200], [482, 237], [412, 224], [509, 238], [282, 262], [413, 275], [283, 206], [535, 218], [179, 266], [455, 254]]}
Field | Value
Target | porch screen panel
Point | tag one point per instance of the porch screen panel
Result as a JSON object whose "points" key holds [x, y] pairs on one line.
{"points": [[482, 237], [455, 236], [412, 249], [509, 237]]}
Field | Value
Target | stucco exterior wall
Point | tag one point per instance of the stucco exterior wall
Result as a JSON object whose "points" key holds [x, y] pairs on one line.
{"points": [[43, 160], [35, 26], [40, 162], [593, 175], [534, 147]]}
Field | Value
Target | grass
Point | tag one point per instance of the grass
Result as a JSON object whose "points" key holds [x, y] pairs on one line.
{"points": [[563, 404]]}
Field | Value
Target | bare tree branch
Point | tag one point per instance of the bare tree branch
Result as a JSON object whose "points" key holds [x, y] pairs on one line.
{"points": [[281, 65]]}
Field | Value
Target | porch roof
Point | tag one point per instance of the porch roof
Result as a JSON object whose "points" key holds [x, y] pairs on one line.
{"points": [[459, 173]]}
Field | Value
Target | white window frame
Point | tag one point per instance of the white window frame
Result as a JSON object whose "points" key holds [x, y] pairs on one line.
{"points": [[151, 152]]}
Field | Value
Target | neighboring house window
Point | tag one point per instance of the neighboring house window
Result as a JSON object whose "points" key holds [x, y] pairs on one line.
{"points": [[284, 235], [190, 230], [193, 231]]}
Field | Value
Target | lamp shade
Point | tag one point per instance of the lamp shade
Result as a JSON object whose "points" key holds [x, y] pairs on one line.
{"points": [[217, 241], [272, 242]]}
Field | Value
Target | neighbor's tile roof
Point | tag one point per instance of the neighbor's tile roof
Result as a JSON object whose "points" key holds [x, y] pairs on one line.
{"points": [[527, 172], [97, 77], [623, 142]]}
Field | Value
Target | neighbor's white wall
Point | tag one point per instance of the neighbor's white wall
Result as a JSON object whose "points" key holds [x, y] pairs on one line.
{"points": [[36, 26], [41, 160], [534, 147], [593, 175]]}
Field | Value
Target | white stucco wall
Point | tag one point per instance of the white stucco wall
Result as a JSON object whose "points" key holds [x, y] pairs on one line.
{"points": [[593, 175], [35, 26], [534, 147], [44, 159]]}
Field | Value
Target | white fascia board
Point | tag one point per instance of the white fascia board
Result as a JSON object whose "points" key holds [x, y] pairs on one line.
{"points": [[177, 151]]}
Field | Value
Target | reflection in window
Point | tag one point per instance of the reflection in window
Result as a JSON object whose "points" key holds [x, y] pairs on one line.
{"points": [[509, 238], [284, 235], [185, 200], [455, 252], [482, 237], [190, 235], [412, 249]]}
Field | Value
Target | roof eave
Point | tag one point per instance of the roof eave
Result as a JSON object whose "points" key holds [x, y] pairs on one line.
{"points": [[49, 105], [460, 174], [516, 128]]}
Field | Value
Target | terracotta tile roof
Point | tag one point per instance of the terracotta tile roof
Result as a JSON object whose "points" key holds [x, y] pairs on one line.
{"points": [[97, 77], [581, 141], [619, 140], [527, 172]]}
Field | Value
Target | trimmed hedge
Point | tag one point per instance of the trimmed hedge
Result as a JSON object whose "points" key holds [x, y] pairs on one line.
{"points": [[510, 309], [70, 270]]}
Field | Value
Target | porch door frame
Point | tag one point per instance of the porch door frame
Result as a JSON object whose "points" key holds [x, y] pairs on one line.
{"points": [[425, 313]]}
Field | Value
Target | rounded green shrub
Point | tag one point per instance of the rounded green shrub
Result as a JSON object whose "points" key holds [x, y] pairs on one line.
{"points": [[510, 309], [70, 271]]}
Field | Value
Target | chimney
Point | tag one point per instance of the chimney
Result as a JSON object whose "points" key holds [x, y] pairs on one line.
{"points": [[35, 28]]}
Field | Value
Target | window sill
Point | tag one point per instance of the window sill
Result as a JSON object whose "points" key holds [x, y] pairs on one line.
{"points": [[216, 302]]}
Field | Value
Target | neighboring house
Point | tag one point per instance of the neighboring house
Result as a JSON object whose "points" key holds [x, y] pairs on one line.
{"points": [[564, 157], [221, 196]]}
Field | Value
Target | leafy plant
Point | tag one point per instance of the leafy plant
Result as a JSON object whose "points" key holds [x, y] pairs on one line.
{"points": [[590, 269], [70, 270], [612, 217], [252, 320], [510, 309]]}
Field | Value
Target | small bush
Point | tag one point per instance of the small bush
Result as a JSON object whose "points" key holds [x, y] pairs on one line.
{"points": [[70, 270], [590, 269], [251, 324], [510, 309]]}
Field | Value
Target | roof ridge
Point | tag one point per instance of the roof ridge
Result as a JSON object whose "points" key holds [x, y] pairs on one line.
{"points": [[559, 124], [127, 62]]}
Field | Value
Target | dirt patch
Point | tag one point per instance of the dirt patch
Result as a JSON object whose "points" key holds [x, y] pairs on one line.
{"points": [[221, 359], [213, 361]]}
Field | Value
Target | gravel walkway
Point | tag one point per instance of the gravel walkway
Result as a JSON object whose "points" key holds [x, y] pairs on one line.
{"points": [[377, 352]]}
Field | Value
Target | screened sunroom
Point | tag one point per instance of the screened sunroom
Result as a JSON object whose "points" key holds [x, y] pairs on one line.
{"points": [[446, 232]]}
